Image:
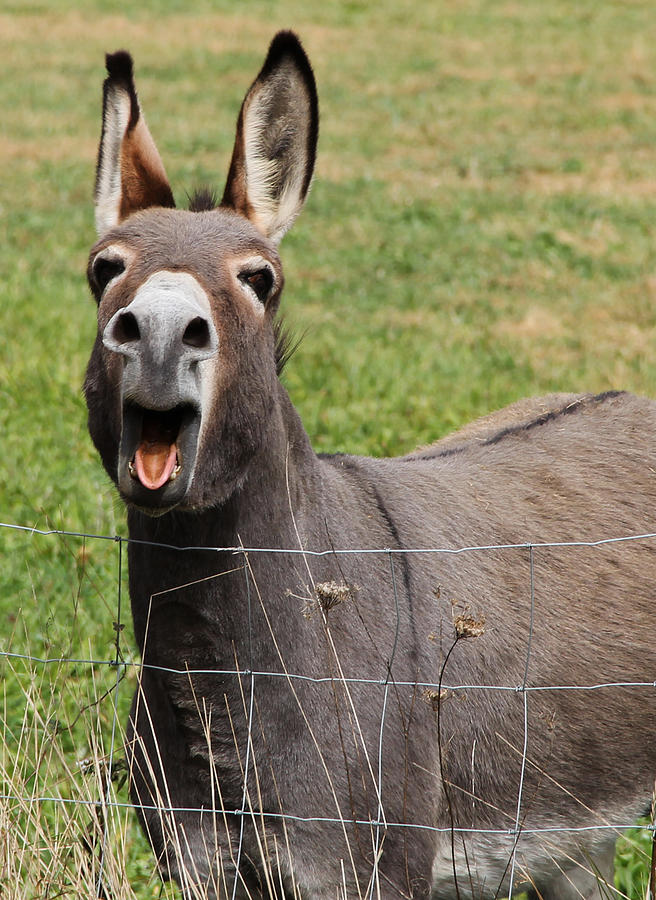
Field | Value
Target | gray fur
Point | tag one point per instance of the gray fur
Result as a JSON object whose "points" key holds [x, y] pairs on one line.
{"points": [[564, 468]]}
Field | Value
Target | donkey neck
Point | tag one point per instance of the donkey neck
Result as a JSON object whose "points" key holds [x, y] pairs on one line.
{"points": [[273, 508]]}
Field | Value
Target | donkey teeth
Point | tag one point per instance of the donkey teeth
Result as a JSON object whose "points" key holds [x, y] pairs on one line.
{"points": [[174, 474]]}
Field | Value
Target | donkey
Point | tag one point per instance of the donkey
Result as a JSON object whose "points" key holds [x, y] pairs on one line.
{"points": [[318, 723]]}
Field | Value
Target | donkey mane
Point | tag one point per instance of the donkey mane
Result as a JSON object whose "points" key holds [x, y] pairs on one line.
{"points": [[203, 199], [286, 343]]}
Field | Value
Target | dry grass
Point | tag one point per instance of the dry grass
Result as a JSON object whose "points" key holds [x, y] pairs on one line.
{"points": [[61, 833]]}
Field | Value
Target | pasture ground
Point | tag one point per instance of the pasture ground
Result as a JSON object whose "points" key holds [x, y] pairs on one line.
{"points": [[481, 228]]}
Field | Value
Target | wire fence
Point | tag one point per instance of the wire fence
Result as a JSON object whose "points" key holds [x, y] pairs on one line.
{"points": [[123, 661]]}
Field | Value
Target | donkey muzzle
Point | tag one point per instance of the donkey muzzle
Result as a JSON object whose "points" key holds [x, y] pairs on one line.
{"points": [[166, 338]]}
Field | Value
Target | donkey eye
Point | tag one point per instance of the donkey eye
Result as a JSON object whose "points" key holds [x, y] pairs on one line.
{"points": [[259, 281], [105, 268]]}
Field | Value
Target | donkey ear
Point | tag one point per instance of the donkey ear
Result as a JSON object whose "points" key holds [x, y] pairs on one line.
{"points": [[273, 159], [130, 174]]}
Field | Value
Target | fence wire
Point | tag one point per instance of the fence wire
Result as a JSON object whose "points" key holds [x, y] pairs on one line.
{"points": [[380, 824]]}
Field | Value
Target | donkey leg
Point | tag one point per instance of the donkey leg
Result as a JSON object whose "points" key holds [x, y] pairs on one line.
{"points": [[591, 879]]}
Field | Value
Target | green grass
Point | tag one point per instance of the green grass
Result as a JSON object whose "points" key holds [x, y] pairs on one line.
{"points": [[480, 229]]}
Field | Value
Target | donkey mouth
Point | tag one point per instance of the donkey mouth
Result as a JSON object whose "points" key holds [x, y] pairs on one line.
{"points": [[156, 458], [157, 454]]}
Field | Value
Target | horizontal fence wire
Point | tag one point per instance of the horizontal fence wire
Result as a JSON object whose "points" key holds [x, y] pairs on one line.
{"points": [[327, 679], [122, 662], [331, 820], [336, 551]]}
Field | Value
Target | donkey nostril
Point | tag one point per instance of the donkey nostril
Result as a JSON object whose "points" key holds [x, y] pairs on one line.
{"points": [[197, 334], [126, 329]]}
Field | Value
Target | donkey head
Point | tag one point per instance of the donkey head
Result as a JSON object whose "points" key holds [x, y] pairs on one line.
{"points": [[182, 378]]}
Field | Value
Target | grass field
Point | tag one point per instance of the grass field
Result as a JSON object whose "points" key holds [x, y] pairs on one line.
{"points": [[481, 228]]}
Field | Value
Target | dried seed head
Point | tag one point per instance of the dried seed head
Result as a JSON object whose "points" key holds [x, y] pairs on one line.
{"points": [[328, 594], [435, 697], [467, 626]]}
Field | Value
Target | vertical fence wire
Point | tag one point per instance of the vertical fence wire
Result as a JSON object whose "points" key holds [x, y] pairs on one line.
{"points": [[524, 692], [380, 814], [110, 762], [249, 728]]}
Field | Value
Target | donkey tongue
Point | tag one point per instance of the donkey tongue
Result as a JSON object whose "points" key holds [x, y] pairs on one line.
{"points": [[154, 462]]}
